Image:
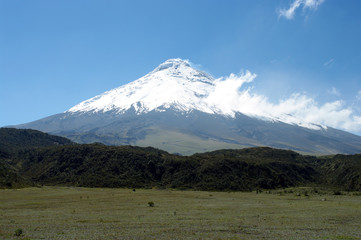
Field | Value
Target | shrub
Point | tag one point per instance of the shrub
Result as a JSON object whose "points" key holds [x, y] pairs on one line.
{"points": [[18, 232], [151, 204], [337, 192]]}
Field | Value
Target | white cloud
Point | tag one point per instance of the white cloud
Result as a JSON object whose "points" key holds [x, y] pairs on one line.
{"points": [[226, 93], [333, 114], [231, 95], [334, 91], [290, 12], [329, 62]]}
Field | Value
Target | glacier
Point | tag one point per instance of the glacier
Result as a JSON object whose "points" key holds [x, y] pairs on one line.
{"points": [[177, 85]]}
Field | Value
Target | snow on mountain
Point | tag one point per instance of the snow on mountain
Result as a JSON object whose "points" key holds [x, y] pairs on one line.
{"points": [[175, 84], [180, 109], [172, 84]]}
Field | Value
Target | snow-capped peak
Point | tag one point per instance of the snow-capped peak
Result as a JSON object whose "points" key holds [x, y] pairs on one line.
{"points": [[176, 84], [174, 63], [182, 68], [173, 83]]}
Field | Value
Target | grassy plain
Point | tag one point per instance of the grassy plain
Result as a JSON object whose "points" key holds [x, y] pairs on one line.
{"points": [[84, 213], [178, 142]]}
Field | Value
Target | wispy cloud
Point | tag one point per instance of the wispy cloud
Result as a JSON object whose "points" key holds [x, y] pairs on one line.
{"points": [[232, 94], [289, 13], [334, 91], [358, 96], [329, 62]]}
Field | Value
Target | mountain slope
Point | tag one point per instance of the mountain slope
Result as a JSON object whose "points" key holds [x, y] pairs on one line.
{"points": [[180, 109], [12, 140]]}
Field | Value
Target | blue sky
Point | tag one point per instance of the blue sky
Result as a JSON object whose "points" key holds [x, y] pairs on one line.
{"points": [[55, 54]]}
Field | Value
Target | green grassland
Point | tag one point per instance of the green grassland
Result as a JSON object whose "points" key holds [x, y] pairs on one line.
{"points": [[104, 213], [186, 144]]}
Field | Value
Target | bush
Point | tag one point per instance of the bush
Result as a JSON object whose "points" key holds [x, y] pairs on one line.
{"points": [[151, 204], [337, 192], [18, 232]]}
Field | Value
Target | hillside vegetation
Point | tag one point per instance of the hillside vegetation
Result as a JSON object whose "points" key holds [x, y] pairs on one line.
{"points": [[10, 177], [98, 165], [12, 143], [14, 140]]}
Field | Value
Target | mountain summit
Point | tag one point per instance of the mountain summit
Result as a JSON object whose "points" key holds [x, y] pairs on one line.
{"points": [[173, 84], [180, 109]]}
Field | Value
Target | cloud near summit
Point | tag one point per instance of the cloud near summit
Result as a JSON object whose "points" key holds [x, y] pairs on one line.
{"points": [[237, 91], [289, 13]]}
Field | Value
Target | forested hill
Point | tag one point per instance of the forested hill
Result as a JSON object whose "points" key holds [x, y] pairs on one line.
{"points": [[97, 165], [12, 143], [13, 140]]}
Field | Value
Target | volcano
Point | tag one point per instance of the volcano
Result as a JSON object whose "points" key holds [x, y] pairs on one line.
{"points": [[183, 110]]}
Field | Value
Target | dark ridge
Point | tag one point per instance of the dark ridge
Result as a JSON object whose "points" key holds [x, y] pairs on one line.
{"points": [[99, 165], [12, 140]]}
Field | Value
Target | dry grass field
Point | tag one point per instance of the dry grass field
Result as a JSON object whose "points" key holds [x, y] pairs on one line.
{"points": [[84, 213]]}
